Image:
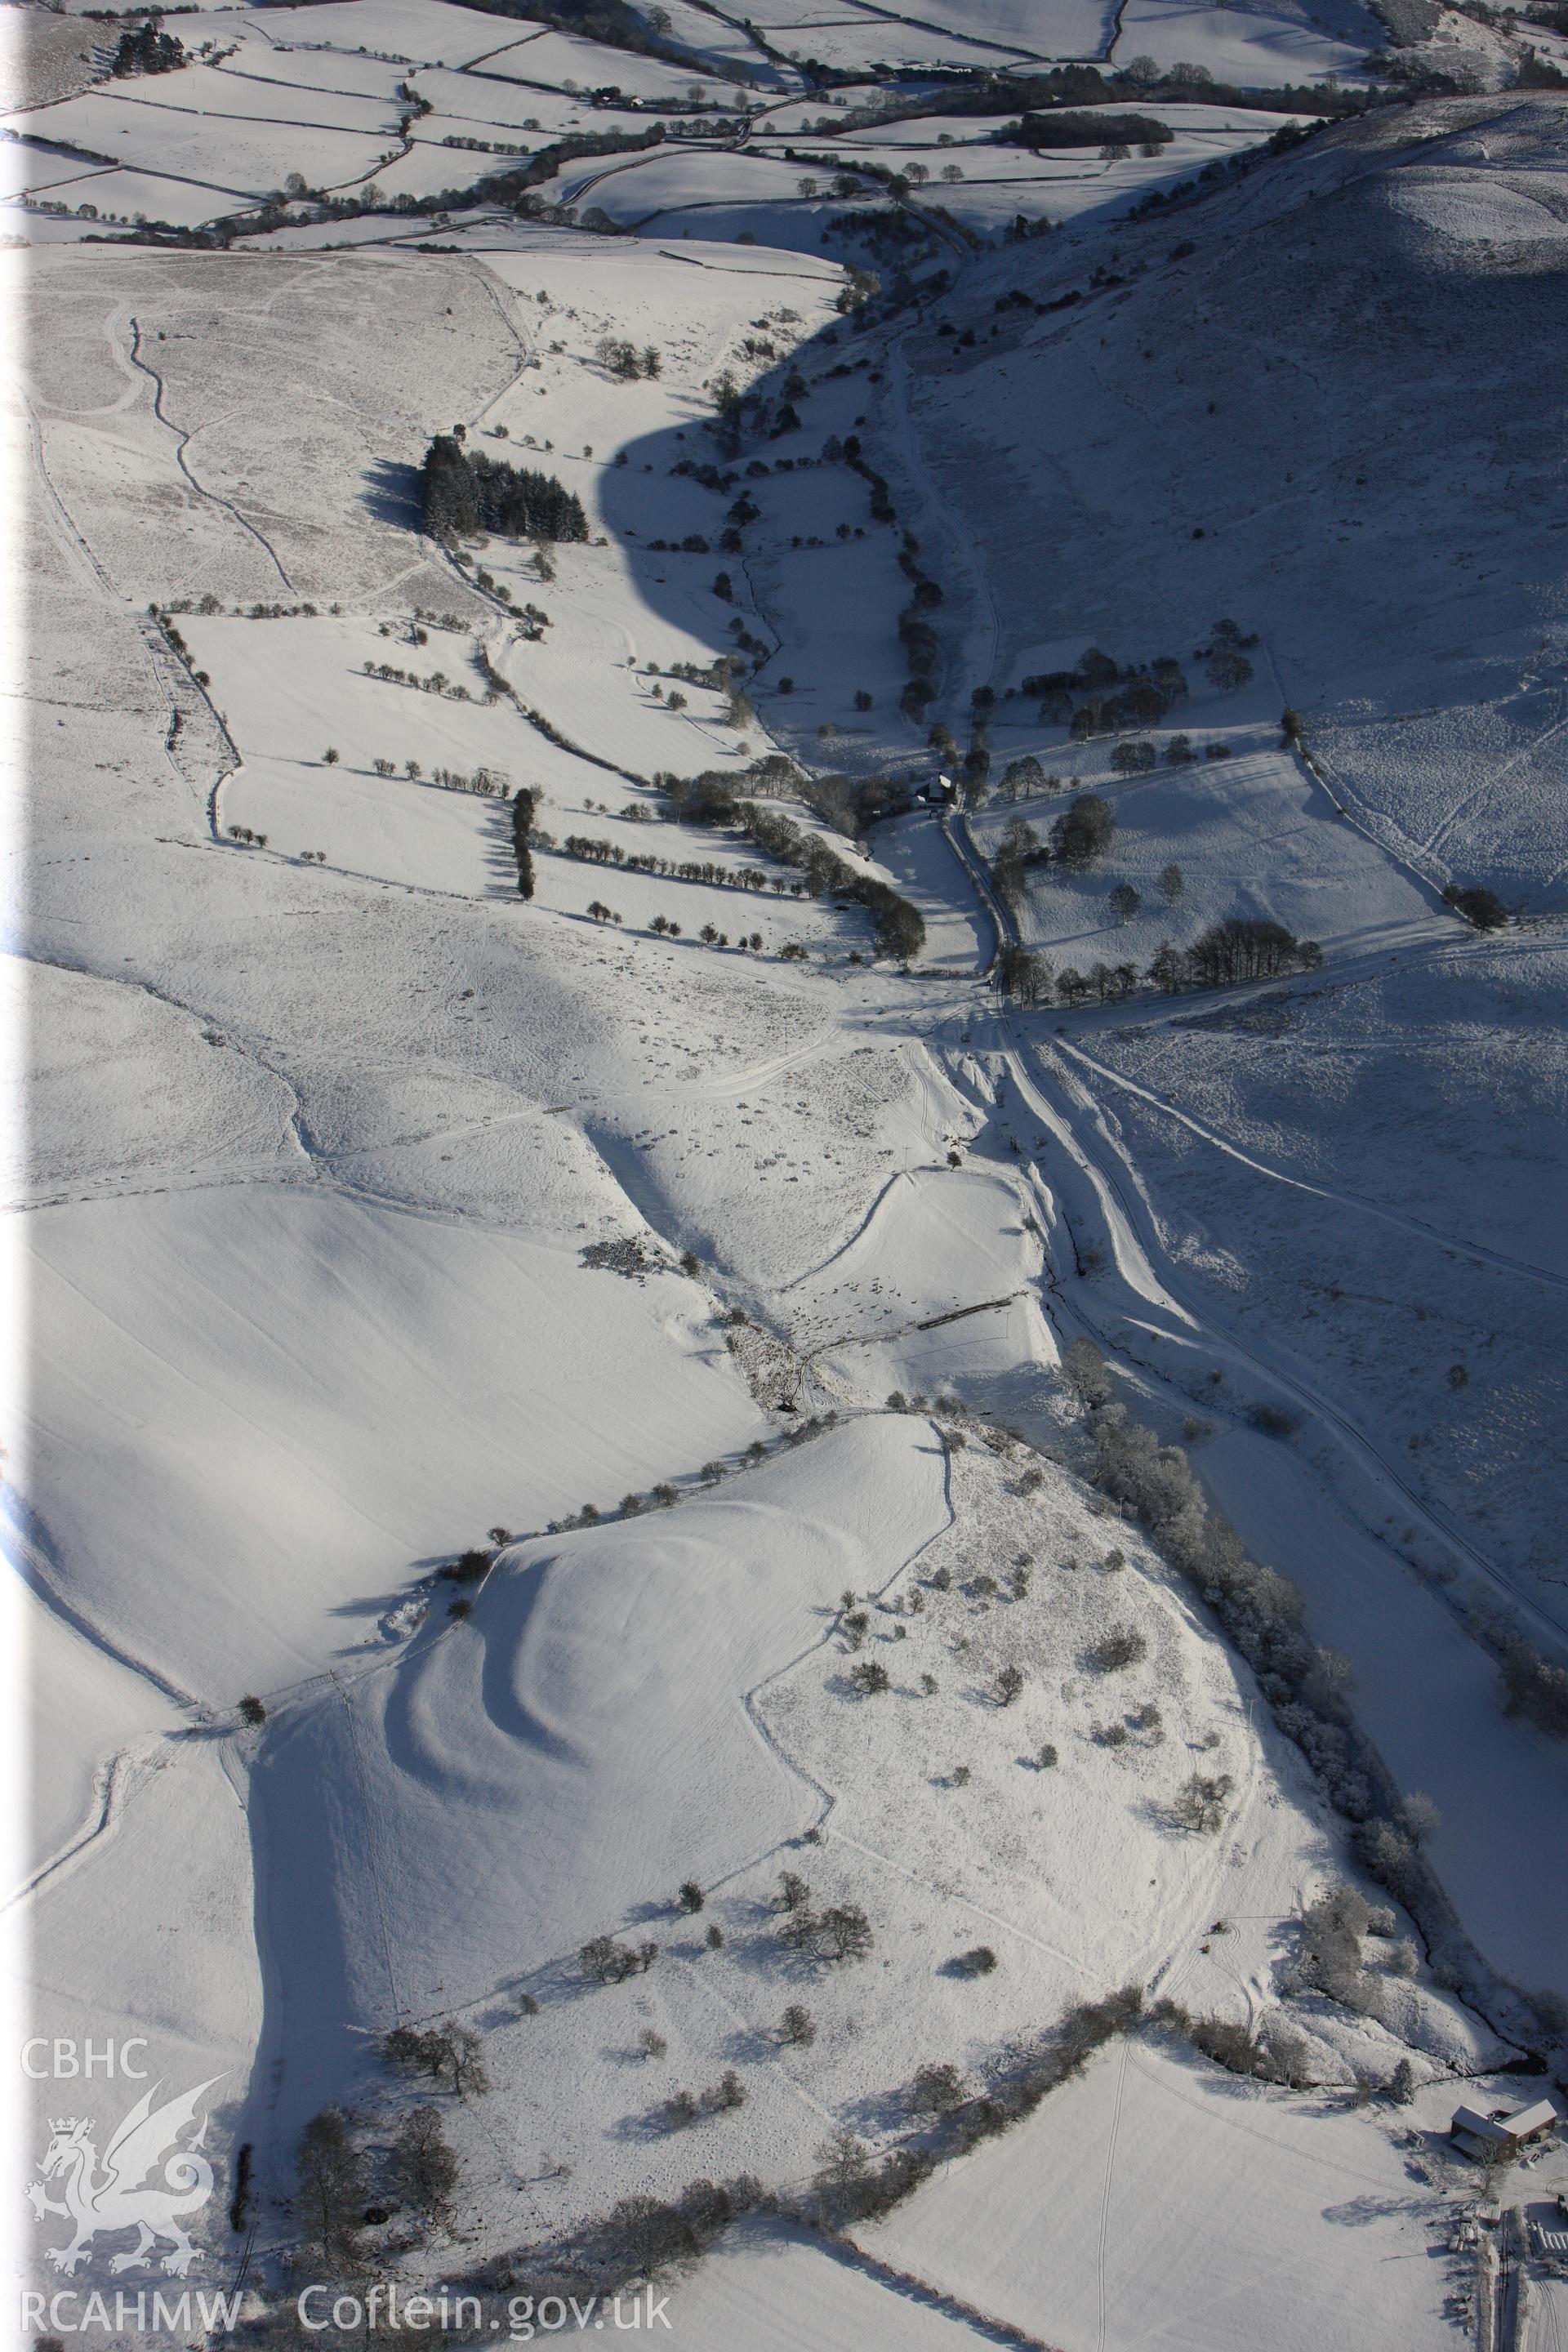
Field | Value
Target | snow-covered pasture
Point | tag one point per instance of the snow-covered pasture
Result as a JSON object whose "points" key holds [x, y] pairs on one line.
{"points": [[148, 1926], [242, 149], [129, 196], [1078, 186], [231, 92], [26, 166], [557, 60], [266, 1409], [777, 2290], [861, 42], [260, 52], [1253, 49], [1314, 1090], [1435, 1328], [896, 1308], [1254, 836], [1426, 1692], [1436, 709], [481, 105], [969, 139], [709, 32], [482, 97], [767, 1163], [374, 1387], [1158, 2201], [289, 489], [431, 169], [84, 1706], [831, 606], [918, 862], [687, 192], [292, 688], [426, 838], [1064, 28], [222, 1116], [675, 178], [409, 32]]}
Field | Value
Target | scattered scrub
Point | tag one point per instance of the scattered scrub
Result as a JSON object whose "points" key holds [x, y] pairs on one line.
{"points": [[1122, 1646], [1199, 1803]]}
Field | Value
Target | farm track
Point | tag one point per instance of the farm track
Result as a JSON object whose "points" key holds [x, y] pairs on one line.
{"points": [[181, 443]]}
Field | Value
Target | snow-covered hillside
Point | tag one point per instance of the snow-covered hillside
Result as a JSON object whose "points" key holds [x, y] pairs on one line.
{"points": [[1322, 403]]}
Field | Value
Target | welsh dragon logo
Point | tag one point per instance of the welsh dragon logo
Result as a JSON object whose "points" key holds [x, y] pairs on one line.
{"points": [[123, 2195]]}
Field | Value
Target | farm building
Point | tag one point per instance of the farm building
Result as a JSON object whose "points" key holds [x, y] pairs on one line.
{"points": [[1499, 2132]]}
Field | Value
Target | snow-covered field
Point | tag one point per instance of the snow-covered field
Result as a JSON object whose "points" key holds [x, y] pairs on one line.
{"points": [[723, 1290], [1132, 2218], [1253, 835]]}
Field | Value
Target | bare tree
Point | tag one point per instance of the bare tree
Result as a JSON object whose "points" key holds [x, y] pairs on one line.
{"points": [[422, 2165], [329, 2193], [1419, 1817], [844, 2159], [844, 1933], [936, 2091], [1200, 1802]]}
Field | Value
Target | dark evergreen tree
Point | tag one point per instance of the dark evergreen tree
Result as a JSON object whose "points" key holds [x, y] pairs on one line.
{"points": [[462, 493], [148, 50]]}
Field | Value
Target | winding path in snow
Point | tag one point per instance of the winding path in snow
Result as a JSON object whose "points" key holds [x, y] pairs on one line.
{"points": [[181, 443]]}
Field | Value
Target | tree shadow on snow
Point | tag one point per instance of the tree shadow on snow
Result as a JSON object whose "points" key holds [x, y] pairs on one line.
{"points": [[392, 493]]}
